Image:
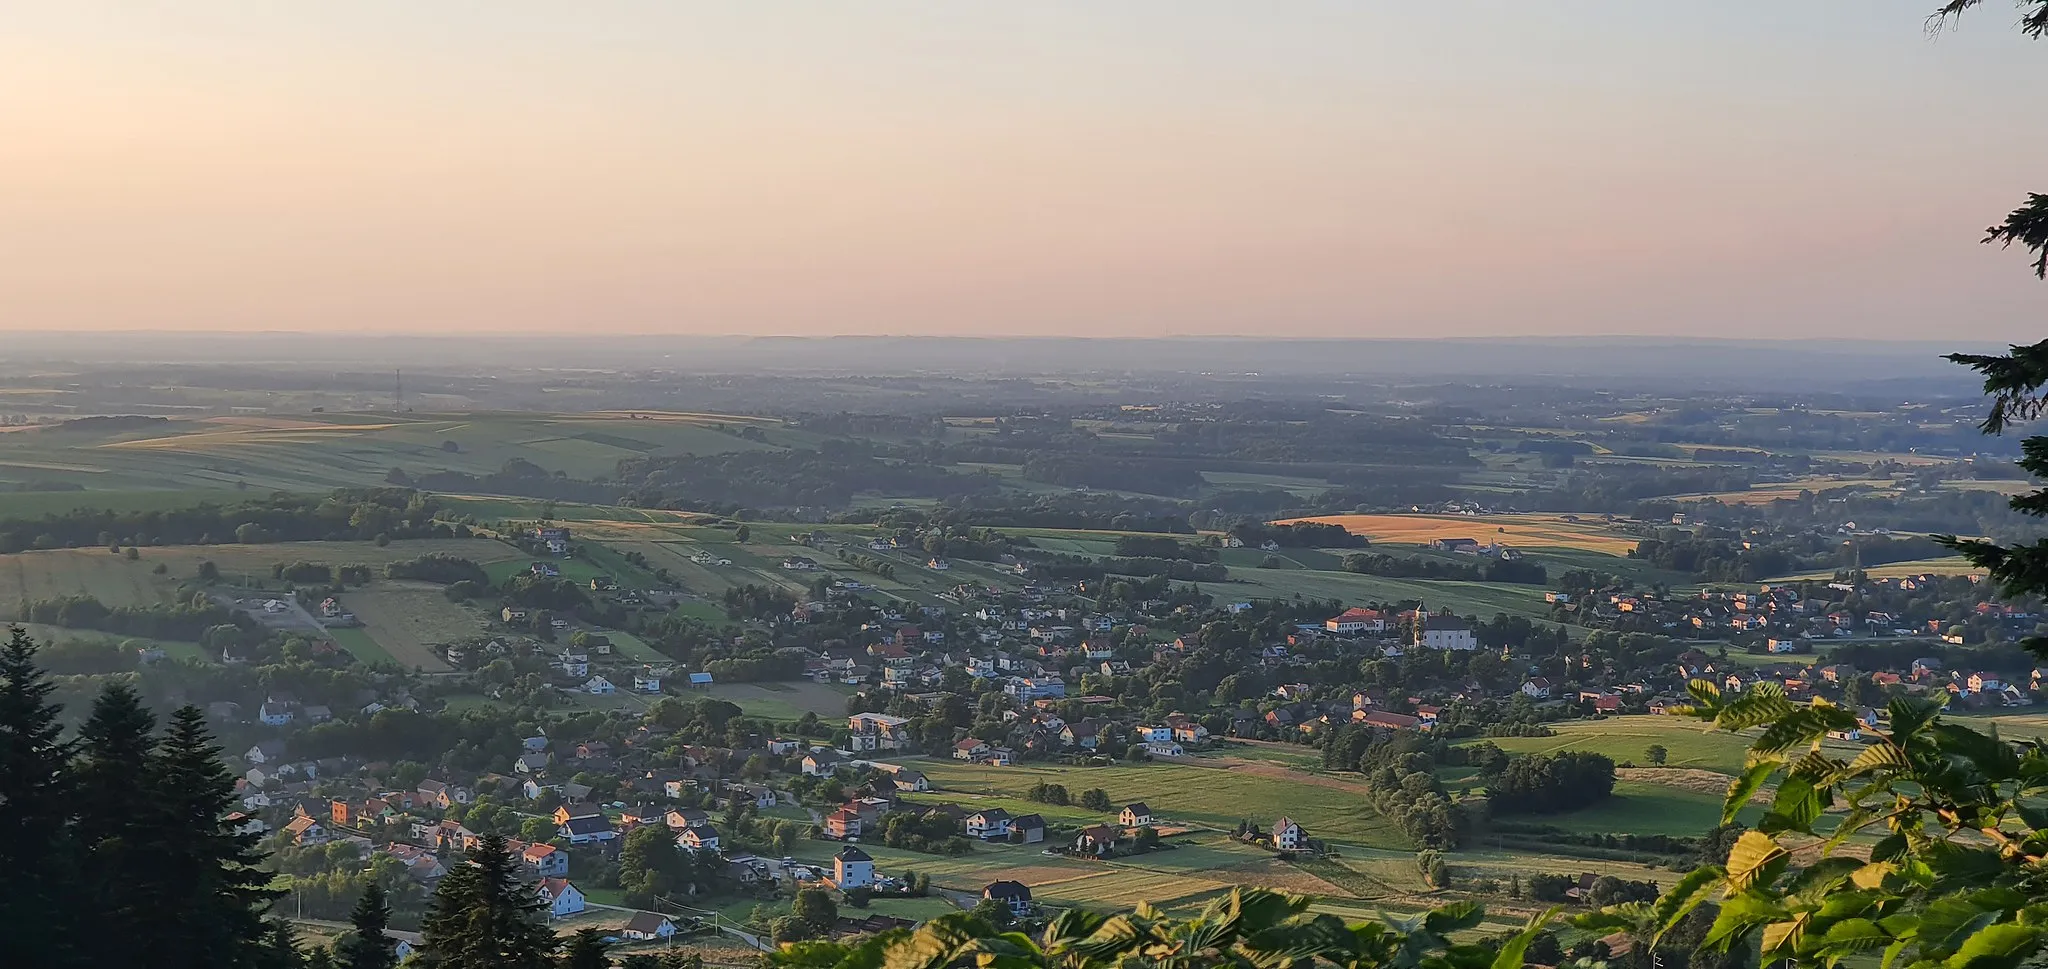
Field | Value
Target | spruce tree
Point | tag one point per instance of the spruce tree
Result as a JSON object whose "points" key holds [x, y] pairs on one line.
{"points": [[36, 800], [116, 827], [366, 947], [586, 951], [208, 905], [484, 917]]}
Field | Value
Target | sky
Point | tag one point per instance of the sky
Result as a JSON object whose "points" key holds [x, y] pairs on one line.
{"points": [[1740, 168]]}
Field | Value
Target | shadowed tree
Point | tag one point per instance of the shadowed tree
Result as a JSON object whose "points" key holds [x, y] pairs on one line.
{"points": [[366, 946], [35, 805], [211, 887]]}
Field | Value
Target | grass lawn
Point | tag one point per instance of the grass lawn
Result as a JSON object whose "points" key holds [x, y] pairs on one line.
{"points": [[361, 646], [1206, 796], [1688, 742], [634, 648], [780, 701], [1642, 808]]}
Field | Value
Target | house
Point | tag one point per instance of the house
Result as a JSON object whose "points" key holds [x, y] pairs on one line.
{"points": [[1027, 829], [561, 898], [404, 944], [647, 681], [970, 749], [267, 752], [700, 680], [1135, 815], [599, 686], [852, 868], [587, 830], [441, 794], [843, 824], [911, 782], [545, 861], [648, 927], [510, 614], [1389, 720], [316, 713], [938, 565], [679, 818], [699, 837], [1288, 835], [575, 809], [1098, 840], [1445, 632], [877, 731], [1536, 687], [1000, 757], [1983, 682], [1168, 749], [531, 763], [1084, 735], [1357, 622], [1016, 895], [821, 763], [306, 832], [988, 825], [274, 714]]}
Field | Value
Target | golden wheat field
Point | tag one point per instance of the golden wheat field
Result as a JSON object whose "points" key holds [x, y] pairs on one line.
{"points": [[1523, 530]]}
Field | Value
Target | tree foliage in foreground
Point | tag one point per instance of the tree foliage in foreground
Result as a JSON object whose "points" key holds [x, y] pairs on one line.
{"points": [[1252, 928], [1954, 876]]}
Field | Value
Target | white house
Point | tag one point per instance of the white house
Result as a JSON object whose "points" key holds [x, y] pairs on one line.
{"points": [[1536, 687], [274, 714], [852, 868], [1446, 632], [562, 898], [1288, 836], [648, 927], [1135, 815], [1014, 894], [698, 837], [988, 825], [647, 681], [599, 686]]}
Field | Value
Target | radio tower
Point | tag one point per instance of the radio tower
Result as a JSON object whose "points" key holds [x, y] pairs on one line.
{"points": [[398, 391]]}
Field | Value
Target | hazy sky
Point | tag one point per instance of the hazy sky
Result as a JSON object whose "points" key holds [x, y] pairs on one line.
{"points": [[1738, 167]]}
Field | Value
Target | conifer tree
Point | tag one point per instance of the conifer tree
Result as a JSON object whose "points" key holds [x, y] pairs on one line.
{"points": [[586, 951], [35, 805], [115, 827], [367, 947], [484, 917], [207, 905]]}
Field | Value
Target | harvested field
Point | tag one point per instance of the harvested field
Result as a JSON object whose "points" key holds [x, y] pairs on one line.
{"points": [[1524, 531]]}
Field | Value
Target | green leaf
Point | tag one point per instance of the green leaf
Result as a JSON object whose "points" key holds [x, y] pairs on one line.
{"points": [[1453, 918], [1673, 906], [1947, 922], [1996, 947], [1756, 859], [1742, 788], [1762, 703], [1786, 934], [1878, 756], [1511, 951], [1856, 935], [1794, 809], [1739, 915]]}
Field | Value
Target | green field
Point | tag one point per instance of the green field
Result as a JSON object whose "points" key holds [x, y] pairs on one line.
{"points": [[1623, 739], [1213, 797], [1644, 808], [361, 646], [316, 452]]}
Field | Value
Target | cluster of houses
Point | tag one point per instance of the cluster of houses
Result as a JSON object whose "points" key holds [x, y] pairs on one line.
{"points": [[1790, 617]]}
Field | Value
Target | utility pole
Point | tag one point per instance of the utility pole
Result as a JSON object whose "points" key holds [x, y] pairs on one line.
{"points": [[397, 391]]}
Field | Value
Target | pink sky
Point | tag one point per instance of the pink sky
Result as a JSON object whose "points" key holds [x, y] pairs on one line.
{"points": [[1143, 168]]}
